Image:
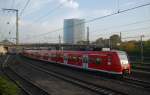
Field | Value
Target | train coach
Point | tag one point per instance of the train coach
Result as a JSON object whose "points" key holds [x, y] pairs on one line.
{"points": [[113, 62]]}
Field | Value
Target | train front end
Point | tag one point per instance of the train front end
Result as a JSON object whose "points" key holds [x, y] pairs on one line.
{"points": [[124, 62]]}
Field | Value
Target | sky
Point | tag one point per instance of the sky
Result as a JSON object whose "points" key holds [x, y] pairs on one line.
{"points": [[40, 19]]}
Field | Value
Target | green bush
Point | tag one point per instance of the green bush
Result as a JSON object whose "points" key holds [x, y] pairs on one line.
{"points": [[7, 87]]}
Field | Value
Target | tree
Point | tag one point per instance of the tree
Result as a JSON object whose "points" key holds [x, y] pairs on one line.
{"points": [[82, 42], [130, 47], [115, 39], [102, 42], [99, 42], [147, 48]]}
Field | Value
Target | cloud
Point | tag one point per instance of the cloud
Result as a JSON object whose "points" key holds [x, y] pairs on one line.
{"points": [[102, 12], [55, 23], [36, 5], [30, 31], [131, 3], [74, 14], [70, 3], [94, 13]]}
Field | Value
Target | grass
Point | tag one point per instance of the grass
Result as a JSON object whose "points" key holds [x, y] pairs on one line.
{"points": [[7, 87]]}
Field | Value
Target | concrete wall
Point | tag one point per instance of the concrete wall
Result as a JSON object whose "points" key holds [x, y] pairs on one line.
{"points": [[2, 50]]}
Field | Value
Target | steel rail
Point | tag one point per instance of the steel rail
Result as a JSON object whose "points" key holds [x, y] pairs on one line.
{"points": [[82, 83], [6, 68]]}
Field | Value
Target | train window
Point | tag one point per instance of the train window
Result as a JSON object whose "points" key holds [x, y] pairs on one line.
{"points": [[123, 56], [80, 58], [98, 60], [74, 58], [61, 55], [58, 55], [70, 58], [109, 59], [49, 55], [91, 60], [53, 55]]}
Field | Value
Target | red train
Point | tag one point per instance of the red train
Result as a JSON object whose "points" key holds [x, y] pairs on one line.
{"points": [[113, 62]]}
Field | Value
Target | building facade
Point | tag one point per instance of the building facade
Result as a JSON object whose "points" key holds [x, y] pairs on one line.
{"points": [[74, 30]]}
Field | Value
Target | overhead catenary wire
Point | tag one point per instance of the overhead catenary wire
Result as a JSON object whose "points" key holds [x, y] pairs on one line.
{"points": [[143, 28], [119, 12], [49, 12], [95, 19], [124, 25], [98, 35], [7, 19], [124, 31], [26, 4], [44, 39], [147, 36], [118, 5], [11, 21]]}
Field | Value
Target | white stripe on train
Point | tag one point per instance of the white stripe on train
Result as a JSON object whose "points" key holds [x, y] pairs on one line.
{"points": [[111, 72]]}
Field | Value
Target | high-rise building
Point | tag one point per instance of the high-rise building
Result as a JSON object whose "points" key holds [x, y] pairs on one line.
{"points": [[74, 30]]}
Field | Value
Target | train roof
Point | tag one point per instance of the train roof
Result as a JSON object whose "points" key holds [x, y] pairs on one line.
{"points": [[70, 51]]}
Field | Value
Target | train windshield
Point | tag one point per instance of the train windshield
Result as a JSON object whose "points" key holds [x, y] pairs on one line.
{"points": [[123, 56]]}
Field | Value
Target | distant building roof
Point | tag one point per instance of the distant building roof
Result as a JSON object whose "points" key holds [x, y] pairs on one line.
{"points": [[6, 42]]}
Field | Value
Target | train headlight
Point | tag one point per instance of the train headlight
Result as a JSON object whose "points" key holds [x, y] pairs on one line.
{"points": [[109, 63], [124, 62]]}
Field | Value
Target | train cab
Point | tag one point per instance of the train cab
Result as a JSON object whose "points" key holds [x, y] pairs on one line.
{"points": [[124, 62]]}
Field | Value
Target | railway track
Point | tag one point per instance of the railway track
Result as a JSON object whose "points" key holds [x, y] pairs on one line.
{"points": [[84, 84], [141, 75], [130, 80], [137, 82], [143, 90], [26, 85]]}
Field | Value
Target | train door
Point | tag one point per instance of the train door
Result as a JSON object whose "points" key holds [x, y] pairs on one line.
{"points": [[65, 59], [85, 61], [49, 56]]}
